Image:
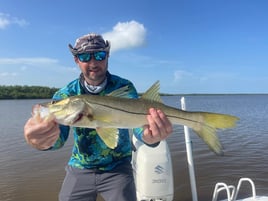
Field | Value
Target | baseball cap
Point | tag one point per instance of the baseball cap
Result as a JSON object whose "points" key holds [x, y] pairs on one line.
{"points": [[89, 43]]}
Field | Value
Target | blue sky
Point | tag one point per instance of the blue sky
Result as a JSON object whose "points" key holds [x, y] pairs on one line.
{"points": [[201, 46]]}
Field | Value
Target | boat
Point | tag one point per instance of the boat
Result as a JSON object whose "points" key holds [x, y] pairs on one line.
{"points": [[153, 174]]}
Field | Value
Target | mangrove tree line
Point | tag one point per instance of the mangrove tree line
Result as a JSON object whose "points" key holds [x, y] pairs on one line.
{"points": [[26, 92]]}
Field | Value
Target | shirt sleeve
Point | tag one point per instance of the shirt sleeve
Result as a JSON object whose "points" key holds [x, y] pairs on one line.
{"points": [[64, 134], [64, 130]]}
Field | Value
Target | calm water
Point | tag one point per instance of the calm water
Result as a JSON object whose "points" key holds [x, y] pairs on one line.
{"points": [[29, 175]]}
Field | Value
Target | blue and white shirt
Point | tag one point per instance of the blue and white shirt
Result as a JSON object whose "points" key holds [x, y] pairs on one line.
{"points": [[89, 151]]}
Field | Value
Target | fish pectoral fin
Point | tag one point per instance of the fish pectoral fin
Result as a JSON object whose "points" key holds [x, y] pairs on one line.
{"points": [[109, 136]]}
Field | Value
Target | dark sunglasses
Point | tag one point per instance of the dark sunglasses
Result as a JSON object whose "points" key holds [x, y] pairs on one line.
{"points": [[98, 56]]}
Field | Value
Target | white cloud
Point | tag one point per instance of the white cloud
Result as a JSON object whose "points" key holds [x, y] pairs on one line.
{"points": [[126, 35], [7, 74], [20, 22], [23, 68], [35, 71], [181, 75], [27, 61], [6, 20]]}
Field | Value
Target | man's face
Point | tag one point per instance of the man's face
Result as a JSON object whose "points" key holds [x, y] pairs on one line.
{"points": [[94, 71]]}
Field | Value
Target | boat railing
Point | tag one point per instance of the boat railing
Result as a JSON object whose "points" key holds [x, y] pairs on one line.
{"points": [[232, 191], [219, 187]]}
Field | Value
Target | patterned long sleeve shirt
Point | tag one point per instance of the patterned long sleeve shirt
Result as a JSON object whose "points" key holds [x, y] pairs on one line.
{"points": [[89, 151]]}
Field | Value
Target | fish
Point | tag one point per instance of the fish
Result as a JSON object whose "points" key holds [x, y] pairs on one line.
{"points": [[115, 111]]}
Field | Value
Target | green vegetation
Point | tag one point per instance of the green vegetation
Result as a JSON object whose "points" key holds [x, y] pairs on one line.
{"points": [[26, 92], [41, 92]]}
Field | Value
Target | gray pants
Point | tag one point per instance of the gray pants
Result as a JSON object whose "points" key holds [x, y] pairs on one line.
{"points": [[84, 185]]}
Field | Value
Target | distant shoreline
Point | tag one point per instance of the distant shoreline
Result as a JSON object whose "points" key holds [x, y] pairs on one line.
{"points": [[26, 92], [41, 92], [37, 97]]}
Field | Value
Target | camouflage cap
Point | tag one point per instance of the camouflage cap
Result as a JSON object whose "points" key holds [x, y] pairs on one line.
{"points": [[89, 43]]}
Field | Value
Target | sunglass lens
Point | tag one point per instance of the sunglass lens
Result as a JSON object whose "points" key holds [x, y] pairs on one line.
{"points": [[99, 56], [85, 57]]}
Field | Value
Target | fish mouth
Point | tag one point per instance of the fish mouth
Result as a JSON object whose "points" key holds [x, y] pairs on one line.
{"points": [[78, 118]]}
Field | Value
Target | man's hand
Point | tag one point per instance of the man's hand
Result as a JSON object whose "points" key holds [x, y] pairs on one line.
{"points": [[158, 128], [41, 134]]}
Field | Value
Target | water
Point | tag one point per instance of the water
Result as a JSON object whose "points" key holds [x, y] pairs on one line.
{"points": [[29, 175]]}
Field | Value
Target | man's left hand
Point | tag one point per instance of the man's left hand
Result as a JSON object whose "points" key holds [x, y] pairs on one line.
{"points": [[158, 128]]}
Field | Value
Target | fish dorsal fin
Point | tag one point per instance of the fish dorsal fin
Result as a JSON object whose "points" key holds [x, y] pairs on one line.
{"points": [[153, 93], [122, 92], [109, 136]]}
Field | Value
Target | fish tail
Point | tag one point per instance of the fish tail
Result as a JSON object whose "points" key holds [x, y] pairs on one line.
{"points": [[207, 130], [220, 121]]}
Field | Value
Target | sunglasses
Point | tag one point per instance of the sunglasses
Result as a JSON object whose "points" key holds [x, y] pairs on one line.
{"points": [[86, 57]]}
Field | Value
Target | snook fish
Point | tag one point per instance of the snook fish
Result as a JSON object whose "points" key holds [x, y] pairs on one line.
{"points": [[108, 113]]}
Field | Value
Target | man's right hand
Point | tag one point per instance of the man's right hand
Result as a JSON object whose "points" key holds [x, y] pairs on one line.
{"points": [[41, 134]]}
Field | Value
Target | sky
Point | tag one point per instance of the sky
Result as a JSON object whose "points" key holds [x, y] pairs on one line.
{"points": [[190, 46]]}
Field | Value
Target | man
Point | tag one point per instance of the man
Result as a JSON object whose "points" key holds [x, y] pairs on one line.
{"points": [[93, 167]]}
